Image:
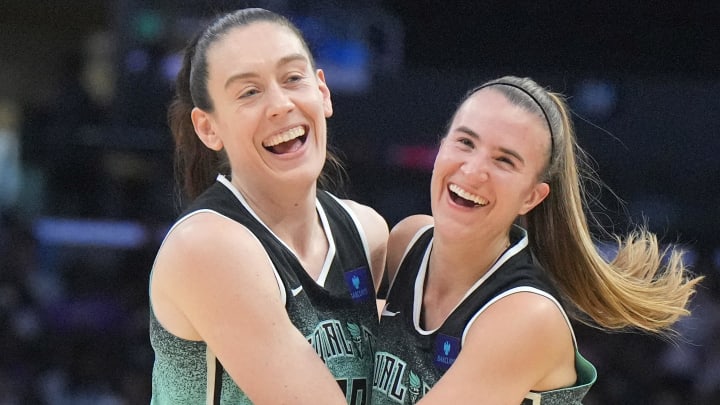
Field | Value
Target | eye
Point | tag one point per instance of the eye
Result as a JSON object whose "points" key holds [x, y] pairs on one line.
{"points": [[466, 142], [294, 78], [248, 92], [506, 160]]}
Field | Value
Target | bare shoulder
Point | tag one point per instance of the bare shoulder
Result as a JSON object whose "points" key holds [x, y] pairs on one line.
{"points": [[202, 255], [371, 220], [530, 329], [205, 236], [400, 236], [524, 344], [406, 228], [526, 311]]}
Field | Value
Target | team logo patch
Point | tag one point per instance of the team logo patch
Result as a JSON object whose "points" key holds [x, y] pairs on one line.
{"points": [[359, 283], [447, 349]]}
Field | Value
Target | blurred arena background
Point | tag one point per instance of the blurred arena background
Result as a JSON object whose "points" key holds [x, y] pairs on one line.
{"points": [[86, 183]]}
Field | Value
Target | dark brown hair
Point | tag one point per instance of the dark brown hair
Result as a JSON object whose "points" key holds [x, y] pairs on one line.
{"points": [[196, 166]]}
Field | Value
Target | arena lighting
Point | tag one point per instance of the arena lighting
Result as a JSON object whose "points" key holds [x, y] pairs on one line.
{"points": [[595, 98], [416, 157], [115, 234]]}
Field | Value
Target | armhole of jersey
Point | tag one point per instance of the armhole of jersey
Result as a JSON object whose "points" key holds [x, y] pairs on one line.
{"points": [[358, 226], [517, 290], [213, 390], [409, 246], [283, 294], [330, 256]]}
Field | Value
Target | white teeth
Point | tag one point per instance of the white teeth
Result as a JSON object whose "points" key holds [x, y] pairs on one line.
{"points": [[290, 134], [468, 196]]}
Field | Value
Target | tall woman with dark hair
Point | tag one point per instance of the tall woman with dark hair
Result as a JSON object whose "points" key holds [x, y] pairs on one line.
{"points": [[264, 277]]}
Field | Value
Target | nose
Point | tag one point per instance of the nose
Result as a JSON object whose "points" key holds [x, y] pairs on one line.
{"points": [[279, 101], [477, 168]]}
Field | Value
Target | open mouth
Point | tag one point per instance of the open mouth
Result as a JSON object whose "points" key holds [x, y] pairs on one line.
{"points": [[465, 198], [288, 141]]}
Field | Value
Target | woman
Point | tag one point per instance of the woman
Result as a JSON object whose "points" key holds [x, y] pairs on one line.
{"points": [[475, 310], [262, 262]]}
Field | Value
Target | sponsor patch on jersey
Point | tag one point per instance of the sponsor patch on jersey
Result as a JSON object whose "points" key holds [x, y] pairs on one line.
{"points": [[447, 349], [359, 283]]}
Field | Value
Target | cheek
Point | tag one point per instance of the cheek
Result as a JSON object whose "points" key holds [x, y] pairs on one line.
{"points": [[436, 180], [443, 158]]}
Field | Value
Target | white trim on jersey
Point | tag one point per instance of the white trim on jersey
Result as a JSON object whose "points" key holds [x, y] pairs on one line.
{"points": [[331, 245], [518, 290], [358, 226], [331, 242], [211, 372], [418, 290], [420, 280], [407, 250]]}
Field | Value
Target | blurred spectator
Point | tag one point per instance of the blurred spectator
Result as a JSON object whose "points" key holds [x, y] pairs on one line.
{"points": [[9, 154]]}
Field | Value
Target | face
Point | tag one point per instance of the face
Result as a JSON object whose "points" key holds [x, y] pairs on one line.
{"points": [[488, 166], [270, 107]]}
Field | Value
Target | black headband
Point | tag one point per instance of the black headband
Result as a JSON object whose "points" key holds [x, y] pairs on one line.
{"points": [[552, 137]]}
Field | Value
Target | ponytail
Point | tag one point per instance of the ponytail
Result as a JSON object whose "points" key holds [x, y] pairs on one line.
{"points": [[643, 287], [195, 165]]}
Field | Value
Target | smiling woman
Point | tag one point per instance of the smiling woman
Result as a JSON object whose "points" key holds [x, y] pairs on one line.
{"points": [[262, 261], [476, 309]]}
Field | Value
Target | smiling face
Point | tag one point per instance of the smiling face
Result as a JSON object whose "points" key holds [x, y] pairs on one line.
{"points": [[269, 107], [487, 169]]}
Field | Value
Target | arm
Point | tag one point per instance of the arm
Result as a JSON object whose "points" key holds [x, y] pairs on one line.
{"points": [[215, 276], [520, 343]]}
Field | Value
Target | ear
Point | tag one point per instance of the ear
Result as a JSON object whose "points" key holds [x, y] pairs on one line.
{"points": [[325, 90], [539, 192], [202, 122]]}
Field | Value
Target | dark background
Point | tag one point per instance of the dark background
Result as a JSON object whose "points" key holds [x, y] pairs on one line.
{"points": [[87, 193]]}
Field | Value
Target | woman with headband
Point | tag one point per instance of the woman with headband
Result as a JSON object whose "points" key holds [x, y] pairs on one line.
{"points": [[476, 309]]}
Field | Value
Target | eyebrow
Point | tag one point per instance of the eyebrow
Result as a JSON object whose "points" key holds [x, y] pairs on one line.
{"points": [[283, 61], [475, 136]]}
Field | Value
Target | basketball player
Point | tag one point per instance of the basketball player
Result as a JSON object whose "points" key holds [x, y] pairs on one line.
{"points": [[475, 312], [263, 291]]}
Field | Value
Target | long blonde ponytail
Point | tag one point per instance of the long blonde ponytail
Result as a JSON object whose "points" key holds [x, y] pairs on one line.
{"points": [[643, 287]]}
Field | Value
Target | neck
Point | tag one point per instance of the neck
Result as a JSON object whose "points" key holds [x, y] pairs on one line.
{"points": [[452, 270], [289, 212], [454, 266]]}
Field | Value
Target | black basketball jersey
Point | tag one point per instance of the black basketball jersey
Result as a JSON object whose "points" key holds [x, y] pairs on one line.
{"points": [[410, 360], [337, 314]]}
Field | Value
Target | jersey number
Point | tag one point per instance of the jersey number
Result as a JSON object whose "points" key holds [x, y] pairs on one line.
{"points": [[355, 390]]}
